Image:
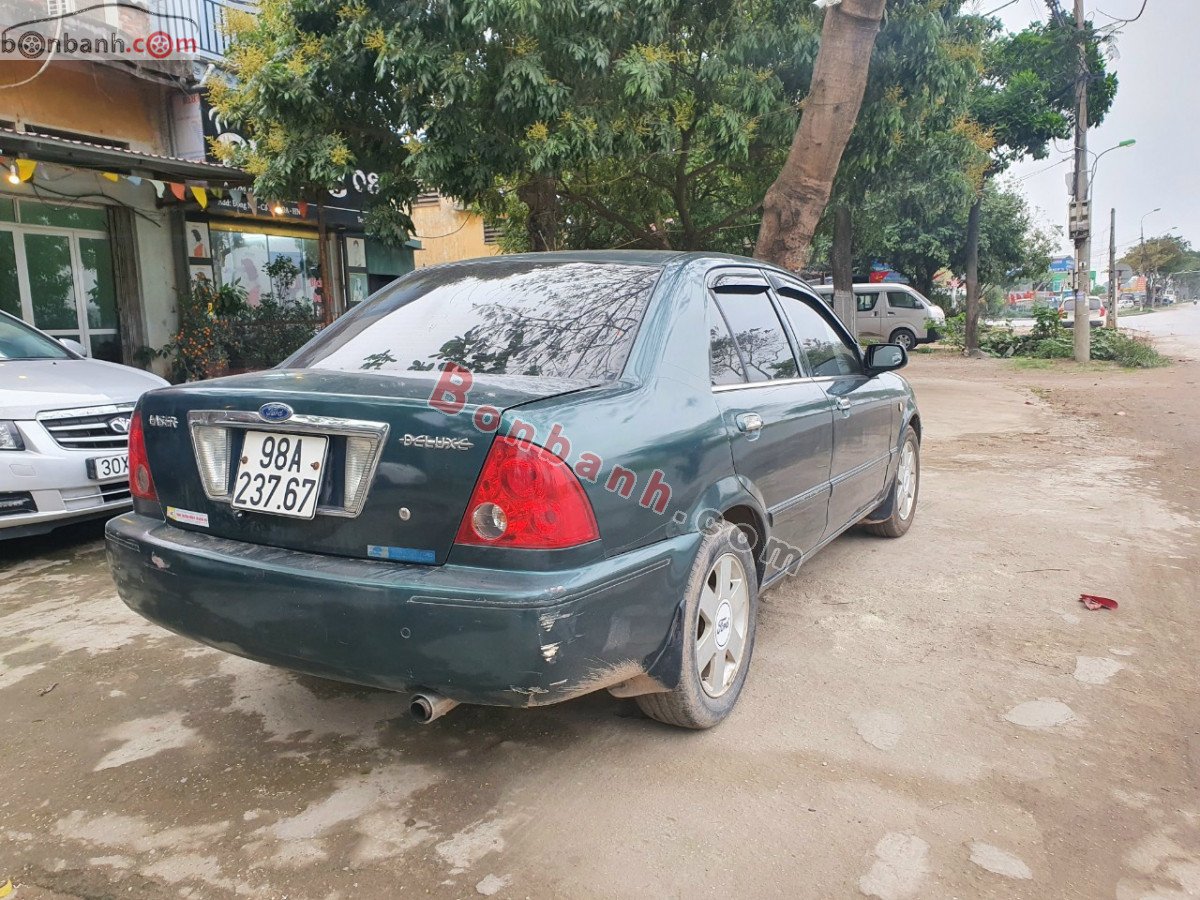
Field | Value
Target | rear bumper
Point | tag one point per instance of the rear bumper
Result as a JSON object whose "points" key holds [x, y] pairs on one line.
{"points": [[486, 636]]}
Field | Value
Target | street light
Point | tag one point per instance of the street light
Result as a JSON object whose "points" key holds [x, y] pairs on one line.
{"points": [[1083, 338], [1142, 252], [1092, 177]]}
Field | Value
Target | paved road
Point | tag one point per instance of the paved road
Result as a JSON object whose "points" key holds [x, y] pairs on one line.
{"points": [[931, 717], [1176, 331]]}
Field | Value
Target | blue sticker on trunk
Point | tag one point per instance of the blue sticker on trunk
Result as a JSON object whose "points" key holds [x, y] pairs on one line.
{"points": [[401, 554]]}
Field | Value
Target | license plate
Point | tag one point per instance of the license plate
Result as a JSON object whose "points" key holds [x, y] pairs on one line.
{"points": [[280, 473], [107, 468]]}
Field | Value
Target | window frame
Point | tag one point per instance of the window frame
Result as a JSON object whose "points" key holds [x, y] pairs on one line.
{"points": [[753, 276], [822, 309], [911, 295]]}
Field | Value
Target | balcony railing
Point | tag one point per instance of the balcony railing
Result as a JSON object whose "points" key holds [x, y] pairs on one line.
{"points": [[209, 33]]}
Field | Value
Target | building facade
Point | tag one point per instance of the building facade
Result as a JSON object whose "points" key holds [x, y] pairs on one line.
{"points": [[111, 203]]}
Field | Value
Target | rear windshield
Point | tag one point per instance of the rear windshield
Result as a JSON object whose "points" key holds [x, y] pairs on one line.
{"points": [[504, 317]]}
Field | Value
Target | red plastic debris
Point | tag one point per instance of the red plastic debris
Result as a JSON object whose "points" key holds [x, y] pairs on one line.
{"points": [[1091, 601]]}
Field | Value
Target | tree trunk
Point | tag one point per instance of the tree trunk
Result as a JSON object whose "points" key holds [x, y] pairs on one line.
{"points": [[841, 261], [972, 324], [796, 201], [541, 196]]}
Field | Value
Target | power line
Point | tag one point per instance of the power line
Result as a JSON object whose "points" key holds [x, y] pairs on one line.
{"points": [[1124, 21], [1000, 7]]}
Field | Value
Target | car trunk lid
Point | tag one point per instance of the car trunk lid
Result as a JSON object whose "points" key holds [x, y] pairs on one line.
{"points": [[392, 480]]}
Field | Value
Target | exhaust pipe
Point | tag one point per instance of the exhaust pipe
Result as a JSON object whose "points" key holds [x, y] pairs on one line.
{"points": [[427, 706]]}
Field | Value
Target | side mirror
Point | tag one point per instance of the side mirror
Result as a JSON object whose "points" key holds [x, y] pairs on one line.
{"points": [[885, 358], [72, 344]]}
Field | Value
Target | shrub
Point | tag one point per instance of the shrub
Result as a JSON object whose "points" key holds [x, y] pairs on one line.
{"points": [[218, 330]]}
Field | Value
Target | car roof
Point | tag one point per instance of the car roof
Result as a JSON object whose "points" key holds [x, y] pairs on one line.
{"points": [[660, 258]]}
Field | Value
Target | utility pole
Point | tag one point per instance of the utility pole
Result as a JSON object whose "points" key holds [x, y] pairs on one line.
{"points": [[1112, 271], [1080, 219]]}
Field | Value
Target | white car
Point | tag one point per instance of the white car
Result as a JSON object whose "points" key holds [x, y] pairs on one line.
{"points": [[1097, 313], [64, 432], [893, 312]]}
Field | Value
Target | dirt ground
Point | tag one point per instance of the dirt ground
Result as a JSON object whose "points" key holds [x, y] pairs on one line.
{"points": [[936, 716]]}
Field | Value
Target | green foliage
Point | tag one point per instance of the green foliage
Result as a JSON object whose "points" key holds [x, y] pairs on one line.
{"points": [[658, 121], [1050, 340], [198, 348], [918, 226], [218, 331], [1165, 255], [1026, 97]]}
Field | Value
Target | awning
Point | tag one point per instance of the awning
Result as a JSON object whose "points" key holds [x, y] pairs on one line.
{"points": [[65, 151]]}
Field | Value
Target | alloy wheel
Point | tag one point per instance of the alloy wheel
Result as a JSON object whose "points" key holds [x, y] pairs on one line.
{"points": [[722, 625], [906, 480]]}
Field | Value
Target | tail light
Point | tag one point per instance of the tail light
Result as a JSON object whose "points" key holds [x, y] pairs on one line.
{"points": [[527, 498], [141, 482]]}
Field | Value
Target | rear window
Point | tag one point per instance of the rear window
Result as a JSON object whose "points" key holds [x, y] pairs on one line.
{"points": [[507, 317]]}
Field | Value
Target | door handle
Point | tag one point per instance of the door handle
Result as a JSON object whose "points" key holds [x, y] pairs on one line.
{"points": [[843, 404], [749, 423]]}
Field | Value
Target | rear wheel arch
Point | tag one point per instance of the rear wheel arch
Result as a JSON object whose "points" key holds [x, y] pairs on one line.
{"points": [[915, 422], [751, 524]]}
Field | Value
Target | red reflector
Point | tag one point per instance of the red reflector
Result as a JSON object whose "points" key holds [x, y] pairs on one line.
{"points": [[141, 482], [527, 498]]}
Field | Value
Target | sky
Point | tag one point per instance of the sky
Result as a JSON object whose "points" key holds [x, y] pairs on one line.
{"points": [[1157, 104]]}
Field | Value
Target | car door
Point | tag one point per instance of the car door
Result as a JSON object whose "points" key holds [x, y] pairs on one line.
{"points": [[865, 416], [779, 420], [905, 310], [870, 312]]}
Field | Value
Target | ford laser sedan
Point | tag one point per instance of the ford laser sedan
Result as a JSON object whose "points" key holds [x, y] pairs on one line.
{"points": [[517, 480], [64, 426]]}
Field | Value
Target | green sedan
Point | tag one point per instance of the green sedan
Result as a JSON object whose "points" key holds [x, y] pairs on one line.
{"points": [[516, 480]]}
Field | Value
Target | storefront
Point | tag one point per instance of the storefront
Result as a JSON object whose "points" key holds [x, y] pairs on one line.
{"points": [[244, 250], [56, 272], [87, 240]]}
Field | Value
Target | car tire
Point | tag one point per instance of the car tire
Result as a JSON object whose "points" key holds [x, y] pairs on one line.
{"points": [[904, 338], [903, 498], [706, 695]]}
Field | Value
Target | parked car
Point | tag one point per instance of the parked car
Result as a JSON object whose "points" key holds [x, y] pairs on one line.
{"points": [[64, 427], [516, 480], [1096, 312], [895, 313], [1127, 302]]}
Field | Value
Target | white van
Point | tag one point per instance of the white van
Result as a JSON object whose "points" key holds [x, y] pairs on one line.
{"points": [[894, 313]]}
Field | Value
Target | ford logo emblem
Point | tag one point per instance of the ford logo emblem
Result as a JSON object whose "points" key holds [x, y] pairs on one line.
{"points": [[275, 412]]}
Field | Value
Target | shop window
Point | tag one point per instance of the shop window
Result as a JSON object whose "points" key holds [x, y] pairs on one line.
{"points": [[51, 281], [242, 258], [10, 295], [89, 217], [71, 290], [96, 282], [7, 213]]}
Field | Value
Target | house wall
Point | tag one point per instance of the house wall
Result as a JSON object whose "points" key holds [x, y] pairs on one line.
{"points": [[88, 98], [448, 233]]}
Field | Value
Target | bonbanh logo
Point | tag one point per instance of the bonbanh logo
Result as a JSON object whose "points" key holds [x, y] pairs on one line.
{"points": [[105, 30]]}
